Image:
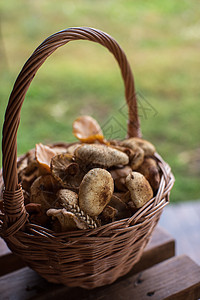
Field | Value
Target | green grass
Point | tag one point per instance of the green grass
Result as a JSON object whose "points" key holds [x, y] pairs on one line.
{"points": [[161, 40]]}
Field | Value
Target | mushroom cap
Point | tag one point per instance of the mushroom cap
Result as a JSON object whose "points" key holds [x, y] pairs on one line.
{"points": [[150, 170], [149, 148], [67, 197], [68, 221], [43, 191], [108, 214], [87, 130], [137, 158], [146, 146], [63, 168], [36, 214], [21, 165], [95, 191], [121, 207], [120, 172], [140, 189], [29, 175], [101, 155]]}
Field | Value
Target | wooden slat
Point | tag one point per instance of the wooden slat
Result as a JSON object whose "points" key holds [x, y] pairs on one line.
{"points": [[8, 261], [184, 225], [159, 248], [175, 279]]}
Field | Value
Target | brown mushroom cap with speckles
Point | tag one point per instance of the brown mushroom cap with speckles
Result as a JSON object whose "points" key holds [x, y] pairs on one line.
{"points": [[66, 196], [101, 155], [140, 189], [95, 192]]}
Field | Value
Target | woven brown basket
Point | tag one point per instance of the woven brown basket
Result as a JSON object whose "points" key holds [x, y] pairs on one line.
{"points": [[84, 258]]}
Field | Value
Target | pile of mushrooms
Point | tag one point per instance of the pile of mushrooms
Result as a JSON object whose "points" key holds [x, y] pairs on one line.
{"points": [[89, 183]]}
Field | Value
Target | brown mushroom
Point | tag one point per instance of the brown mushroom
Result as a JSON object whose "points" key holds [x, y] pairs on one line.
{"points": [[101, 155], [95, 191], [120, 172], [136, 158], [108, 214], [66, 171], [87, 130], [29, 175], [21, 165], [43, 191], [68, 221], [136, 153], [134, 142], [66, 196], [120, 184], [140, 189], [121, 207], [36, 214], [119, 175], [150, 170], [149, 148]]}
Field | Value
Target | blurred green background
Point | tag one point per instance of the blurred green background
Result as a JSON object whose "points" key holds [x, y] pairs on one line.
{"points": [[162, 43]]}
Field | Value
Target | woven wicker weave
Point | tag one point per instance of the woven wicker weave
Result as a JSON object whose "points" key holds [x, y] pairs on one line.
{"points": [[85, 258]]}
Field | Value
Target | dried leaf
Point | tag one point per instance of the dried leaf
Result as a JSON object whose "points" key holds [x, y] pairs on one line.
{"points": [[87, 130], [43, 155]]}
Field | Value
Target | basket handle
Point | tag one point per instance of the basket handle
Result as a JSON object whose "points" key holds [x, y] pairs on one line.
{"points": [[12, 116]]}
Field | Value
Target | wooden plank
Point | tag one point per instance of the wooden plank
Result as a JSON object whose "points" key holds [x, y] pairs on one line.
{"points": [[175, 279], [8, 261], [160, 247], [184, 226]]}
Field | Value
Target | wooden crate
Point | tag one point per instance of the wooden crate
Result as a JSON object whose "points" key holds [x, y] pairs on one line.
{"points": [[158, 275]]}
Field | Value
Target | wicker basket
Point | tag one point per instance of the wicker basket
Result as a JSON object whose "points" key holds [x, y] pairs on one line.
{"points": [[84, 258]]}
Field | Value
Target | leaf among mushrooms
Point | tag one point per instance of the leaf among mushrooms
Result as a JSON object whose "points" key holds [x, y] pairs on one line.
{"points": [[87, 130], [43, 155]]}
